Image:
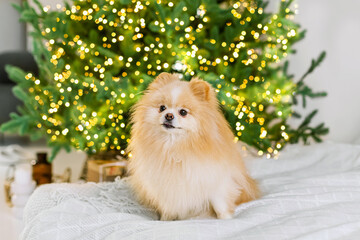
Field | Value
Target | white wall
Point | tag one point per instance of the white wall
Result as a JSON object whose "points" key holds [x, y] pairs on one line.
{"points": [[333, 26], [12, 33]]}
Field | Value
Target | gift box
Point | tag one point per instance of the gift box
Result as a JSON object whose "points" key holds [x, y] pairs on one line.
{"points": [[105, 170]]}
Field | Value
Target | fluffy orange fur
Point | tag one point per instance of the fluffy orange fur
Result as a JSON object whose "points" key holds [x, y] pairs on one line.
{"points": [[193, 168]]}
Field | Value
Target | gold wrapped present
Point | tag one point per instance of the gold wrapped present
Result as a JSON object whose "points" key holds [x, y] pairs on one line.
{"points": [[105, 170]]}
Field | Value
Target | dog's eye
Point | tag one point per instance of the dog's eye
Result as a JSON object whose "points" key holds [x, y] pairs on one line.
{"points": [[183, 112], [162, 108]]}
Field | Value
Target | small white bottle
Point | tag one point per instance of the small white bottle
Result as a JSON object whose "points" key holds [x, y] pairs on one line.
{"points": [[22, 188]]}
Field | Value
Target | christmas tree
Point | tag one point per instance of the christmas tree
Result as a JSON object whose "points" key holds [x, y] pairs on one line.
{"points": [[97, 57]]}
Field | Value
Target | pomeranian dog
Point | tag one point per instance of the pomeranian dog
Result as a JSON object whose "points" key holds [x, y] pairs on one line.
{"points": [[184, 162]]}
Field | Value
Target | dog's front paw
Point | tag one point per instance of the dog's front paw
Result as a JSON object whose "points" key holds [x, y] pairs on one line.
{"points": [[167, 217], [224, 215], [222, 209]]}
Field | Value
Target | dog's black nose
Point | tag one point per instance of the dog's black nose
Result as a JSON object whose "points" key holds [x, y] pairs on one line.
{"points": [[169, 116]]}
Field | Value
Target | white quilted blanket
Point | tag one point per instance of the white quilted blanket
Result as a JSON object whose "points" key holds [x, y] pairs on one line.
{"points": [[310, 192]]}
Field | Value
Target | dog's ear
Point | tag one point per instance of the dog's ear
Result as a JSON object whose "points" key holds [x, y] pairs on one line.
{"points": [[162, 79], [201, 89]]}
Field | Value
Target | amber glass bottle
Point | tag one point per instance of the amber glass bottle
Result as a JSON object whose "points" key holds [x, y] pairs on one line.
{"points": [[42, 169]]}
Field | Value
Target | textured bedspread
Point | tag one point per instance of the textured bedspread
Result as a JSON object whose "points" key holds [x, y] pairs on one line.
{"points": [[310, 192]]}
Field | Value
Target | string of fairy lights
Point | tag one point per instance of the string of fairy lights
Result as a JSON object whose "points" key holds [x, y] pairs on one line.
{"points": [[95, 47]]}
